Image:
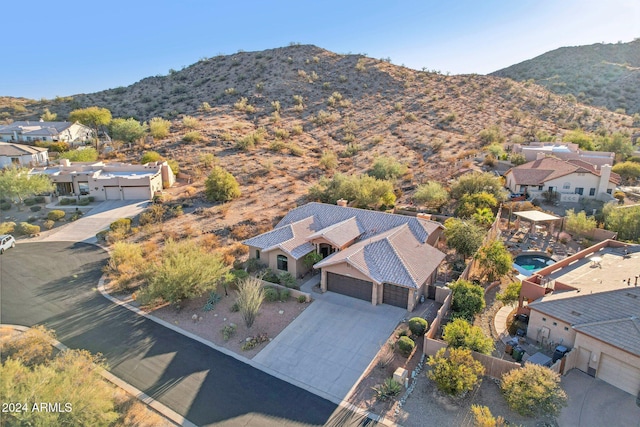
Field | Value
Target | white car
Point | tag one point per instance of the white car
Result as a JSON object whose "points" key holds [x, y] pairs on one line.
{"points": [[7, 241]]}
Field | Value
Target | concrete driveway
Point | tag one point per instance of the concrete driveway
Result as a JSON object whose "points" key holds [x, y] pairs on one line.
{"points": [[98, 218], [330, 344], [594, 403]]}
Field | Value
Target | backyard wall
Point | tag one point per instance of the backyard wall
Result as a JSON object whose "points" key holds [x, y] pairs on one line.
{"points": [[293, 292]]}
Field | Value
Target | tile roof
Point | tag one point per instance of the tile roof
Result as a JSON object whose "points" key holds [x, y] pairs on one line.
{"points": [[35, 128], [395, 256], [10, 149], [388, 247], [612, 317], [539, 171]]}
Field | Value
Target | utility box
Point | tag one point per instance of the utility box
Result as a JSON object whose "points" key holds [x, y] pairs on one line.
{"points": [[401, 375]]}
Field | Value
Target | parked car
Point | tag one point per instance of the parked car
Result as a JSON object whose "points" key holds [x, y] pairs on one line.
{"points": [[6, 241]]}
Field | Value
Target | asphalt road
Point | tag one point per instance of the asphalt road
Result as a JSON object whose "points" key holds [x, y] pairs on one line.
{"points": [[55, 284]]}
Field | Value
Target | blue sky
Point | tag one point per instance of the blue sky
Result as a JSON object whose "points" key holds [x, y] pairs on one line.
{"points": [[67, 47]]}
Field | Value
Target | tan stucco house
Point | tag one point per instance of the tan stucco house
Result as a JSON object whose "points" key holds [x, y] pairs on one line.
{"points": [[590, 303], [375, 256], [20, 155], [109, 181], [571, 179]]}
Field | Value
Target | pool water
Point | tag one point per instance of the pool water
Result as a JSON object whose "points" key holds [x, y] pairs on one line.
{"points": [[533, 262]]}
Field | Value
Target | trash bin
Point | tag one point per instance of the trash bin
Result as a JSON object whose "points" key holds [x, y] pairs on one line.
{"points": [[508, 349], [518, 352]]}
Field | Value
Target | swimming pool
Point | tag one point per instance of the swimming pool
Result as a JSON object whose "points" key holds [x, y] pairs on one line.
{"points": [[529, 263]]}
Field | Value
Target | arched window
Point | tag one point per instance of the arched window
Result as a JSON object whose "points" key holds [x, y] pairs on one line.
{"points": [[283, 263]]}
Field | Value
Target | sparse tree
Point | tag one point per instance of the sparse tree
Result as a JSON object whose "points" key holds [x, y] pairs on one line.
{"points": [[456, 372], [17, 183], [579, 223], [482, 417], [365, 191], [159, 127], [483, 216], [48, 116], [623, 220], [127, 130], [478, 182], [511, 294], [465, 237], [629, 171], [461, 334], [470, 203], [150, 156], [250, 297], [94, 117], [85, 154], [467, 299], [431, 195], [580, 137], [492, 135], [618, 143], [328, 160], [494, 259], [533, 390], [221, 185]]}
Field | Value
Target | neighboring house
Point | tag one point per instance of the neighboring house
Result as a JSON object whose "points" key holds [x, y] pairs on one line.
{"points": [[113, 181], [22, 155], [571, 179], [563, 151], [375, 256], [590, 302], [25, 131]]}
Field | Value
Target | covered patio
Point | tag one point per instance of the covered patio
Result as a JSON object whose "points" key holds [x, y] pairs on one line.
{"points": [[538, 221]]}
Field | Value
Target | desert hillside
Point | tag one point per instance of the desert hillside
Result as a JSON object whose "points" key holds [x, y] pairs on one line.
{"points": [[605, 75], [280, 119]]}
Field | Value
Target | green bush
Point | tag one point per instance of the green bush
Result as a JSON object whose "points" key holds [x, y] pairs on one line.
{"points": [[270, 276], [418, 326], [287, 279], [5, 206], [39, 199], [122, 224], [7, 227], [228, 331], [101, 236], [29, 202], [271, 294], [221, 186], [27, 229], [67, 201], [284, 294], [235, 307], [84, 201], [405, 346], [302, 299], [48, 224], [389, 388], [35, 208], [56, 215]]}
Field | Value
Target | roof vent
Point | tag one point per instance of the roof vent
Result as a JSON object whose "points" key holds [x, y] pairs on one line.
{"points": [[631, 295], [575, 313]]}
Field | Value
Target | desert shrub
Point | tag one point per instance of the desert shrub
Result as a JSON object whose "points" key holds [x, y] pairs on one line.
{"points": [[287, 279], [254, 265], [456, 372], [35, 208], [250, 297], [48, 224], [228, 330], [277, 146], [5, 206], [122, 224], [159, 127], [467, 299], [387, 168], [284, 294], [483, 417], [193, 136], [418, 326], [32, 347], [150, 156], [65, 201], [271, 294], [405, 346], [302, 299], [86, 154], [295, 150], [7, 227], [533, 390], [619, 195], [29, 202], [234, 307], [56, 215], [221, 185], [190, 122], [365, 191], [270, 276], [84, 201], [27, 229], [389, 388], [461, 334], [328, 160]]}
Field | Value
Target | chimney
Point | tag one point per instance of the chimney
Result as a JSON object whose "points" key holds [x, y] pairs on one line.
{"points": [[342, 202], [605, 175], [65, 162]]}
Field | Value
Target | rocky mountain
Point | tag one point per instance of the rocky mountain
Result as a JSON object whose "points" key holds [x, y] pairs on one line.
{"points": [[606, 75]]}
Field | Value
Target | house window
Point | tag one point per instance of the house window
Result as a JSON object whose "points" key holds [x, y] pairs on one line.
{"points": [[579, 190], [566, 328], [566, 186], [540, 187], [544, 319], [283, 263], [257, 253], [592, 191], [555, 323], [609, 191]]}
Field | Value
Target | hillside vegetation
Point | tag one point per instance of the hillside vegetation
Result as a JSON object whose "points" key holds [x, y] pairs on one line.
{"points": [[606, 75]]}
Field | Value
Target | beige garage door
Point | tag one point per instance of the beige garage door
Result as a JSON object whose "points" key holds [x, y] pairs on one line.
{"points": [[112, 193], [619, 374], [136, 193]]}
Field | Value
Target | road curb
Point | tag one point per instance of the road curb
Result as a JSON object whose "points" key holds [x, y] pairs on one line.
{"points": [[144, 398]]}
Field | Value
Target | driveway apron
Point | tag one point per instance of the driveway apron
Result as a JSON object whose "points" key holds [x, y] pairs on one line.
{"points": [[331, 343]]}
